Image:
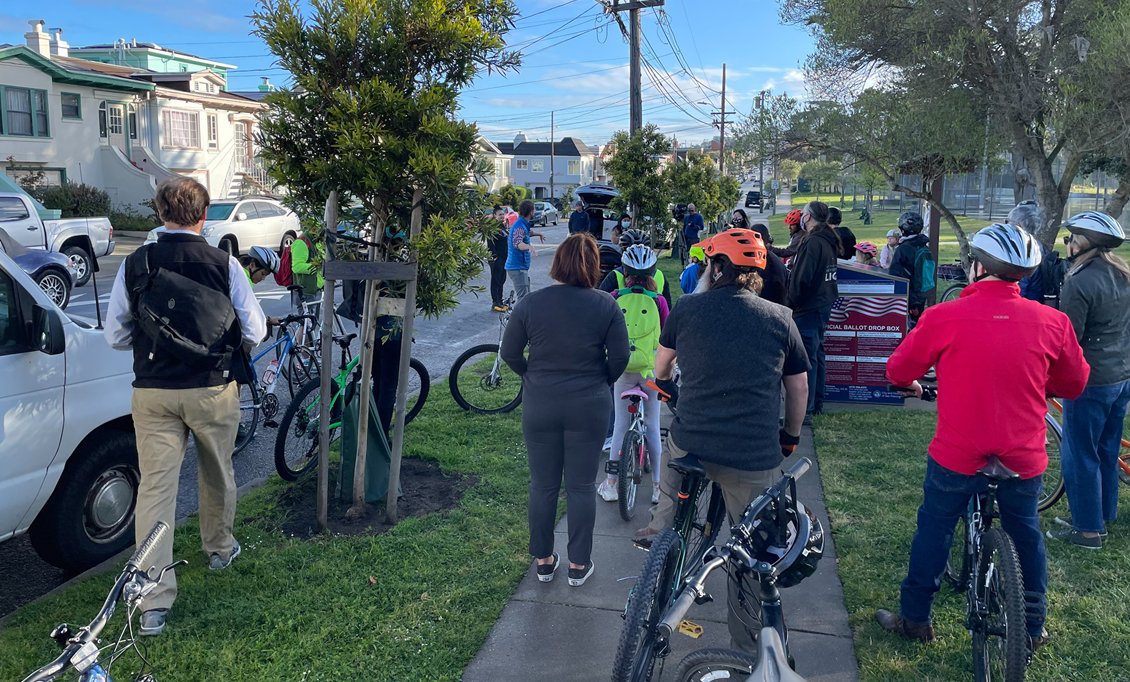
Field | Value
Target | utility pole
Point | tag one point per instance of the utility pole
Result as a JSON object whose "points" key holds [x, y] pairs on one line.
{"points": [[721, 114], [633, 7], [552, 155]]}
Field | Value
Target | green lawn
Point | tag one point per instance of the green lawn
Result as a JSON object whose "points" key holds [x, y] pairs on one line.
{"points": [[413, 604], [872, 464]]}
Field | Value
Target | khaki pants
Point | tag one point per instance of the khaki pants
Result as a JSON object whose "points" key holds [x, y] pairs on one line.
{"points": [[162, 419], [739, 488]]}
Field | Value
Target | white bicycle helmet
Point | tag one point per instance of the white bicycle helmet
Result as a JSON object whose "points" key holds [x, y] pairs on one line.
{"points": [[265, 257], [638, 261], [1099, 229], [1006, 251]]}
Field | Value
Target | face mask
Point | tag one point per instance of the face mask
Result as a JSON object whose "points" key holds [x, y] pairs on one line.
{"points": [[627, 224]]}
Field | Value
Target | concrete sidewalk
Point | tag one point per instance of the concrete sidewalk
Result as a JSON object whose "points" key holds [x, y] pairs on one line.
{"points": [[571, 632]]}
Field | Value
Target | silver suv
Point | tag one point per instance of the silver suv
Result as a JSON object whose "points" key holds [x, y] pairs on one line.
{"points": [[235, 225]]}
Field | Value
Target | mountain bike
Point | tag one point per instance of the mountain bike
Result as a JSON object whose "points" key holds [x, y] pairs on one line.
{"points": [[1054, 486], [82, 649], [776, 543], [957, 278], [480, 381], [635, 458], [296, 446], [257, 398]]}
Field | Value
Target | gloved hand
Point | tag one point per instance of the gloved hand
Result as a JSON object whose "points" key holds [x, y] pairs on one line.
{"points": [[668, 390], [788, 442]]}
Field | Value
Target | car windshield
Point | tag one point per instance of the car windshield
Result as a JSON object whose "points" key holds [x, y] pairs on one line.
{"points": [[219, 211]]}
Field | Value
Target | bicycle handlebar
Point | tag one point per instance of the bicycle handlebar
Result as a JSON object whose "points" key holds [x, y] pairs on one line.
{"points": [[292, 318], [929, 393], [759, 505], [149, 545]]}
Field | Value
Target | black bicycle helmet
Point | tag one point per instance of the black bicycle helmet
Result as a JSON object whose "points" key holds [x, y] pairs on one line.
{"points": [[910, 222], [632, 237], [800, 554]]}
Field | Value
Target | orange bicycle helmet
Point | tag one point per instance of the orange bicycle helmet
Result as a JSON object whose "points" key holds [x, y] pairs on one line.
{"points": [[793, 217], [744, 248]]}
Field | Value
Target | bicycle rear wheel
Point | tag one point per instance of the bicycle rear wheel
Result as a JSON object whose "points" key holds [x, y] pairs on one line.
{"points": [[710, 514], [957, 566], [716, 663], [481, 382], [652, 595], [952, 293], [1053, 486], [301, 367], [419, 384], [630, 472], [296, 446], [1000, 639], [248, 417]]}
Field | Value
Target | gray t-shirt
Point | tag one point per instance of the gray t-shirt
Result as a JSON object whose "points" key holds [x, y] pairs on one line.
{"points": [[733, 349]]}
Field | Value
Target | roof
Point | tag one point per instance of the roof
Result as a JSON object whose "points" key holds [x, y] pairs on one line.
{"points": [[569, 146], [155, 48], [73, 71], [256, 95]]}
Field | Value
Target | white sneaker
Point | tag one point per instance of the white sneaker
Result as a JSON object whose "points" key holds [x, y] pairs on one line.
{"points": [[607, 491], [655, 494], [607, 444]]}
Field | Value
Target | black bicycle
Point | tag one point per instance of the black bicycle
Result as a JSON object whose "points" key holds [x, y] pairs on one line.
{"points": [[777, 543], [82, 649], [480, 381]]}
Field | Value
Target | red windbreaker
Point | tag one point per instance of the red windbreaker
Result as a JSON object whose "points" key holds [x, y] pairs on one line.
{"points": [[998, 357]]}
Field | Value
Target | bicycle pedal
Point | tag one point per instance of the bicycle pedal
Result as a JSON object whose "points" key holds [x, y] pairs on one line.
{"points": [[692, 630], [612, 468], [271, 424]]}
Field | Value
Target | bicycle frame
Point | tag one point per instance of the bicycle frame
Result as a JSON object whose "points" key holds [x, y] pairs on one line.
{"points": [[496, 369], [342, 382]]}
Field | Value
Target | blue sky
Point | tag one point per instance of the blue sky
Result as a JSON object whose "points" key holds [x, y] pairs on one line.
{"points": [[575, 59]]}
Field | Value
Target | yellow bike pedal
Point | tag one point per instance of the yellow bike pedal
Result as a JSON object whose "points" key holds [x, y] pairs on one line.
{"points": [[692, 630]]}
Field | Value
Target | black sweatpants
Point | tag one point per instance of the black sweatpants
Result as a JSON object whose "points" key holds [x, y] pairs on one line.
{"points": [[564, 435], [497, 279]]}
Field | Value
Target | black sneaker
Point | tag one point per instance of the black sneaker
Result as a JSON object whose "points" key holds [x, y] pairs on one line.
{"points": [[1074, 537], [578, 576], [1066, 521], [546, 571]]}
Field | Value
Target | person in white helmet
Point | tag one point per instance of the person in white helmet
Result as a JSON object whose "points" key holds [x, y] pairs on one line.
{"points": [[998, 356], [1096, 297]]}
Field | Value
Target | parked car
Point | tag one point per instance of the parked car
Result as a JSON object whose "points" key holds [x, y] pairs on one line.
{"points": [[82, 240], [53, 272], [545, 213], [238, 224], [753, 198], [68, 455]]}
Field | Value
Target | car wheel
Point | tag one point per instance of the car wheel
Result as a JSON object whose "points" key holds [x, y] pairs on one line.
{"points": [[57, 285], [89, 517], [227, 245], [555, 220], [82, 262], [287, 240]]}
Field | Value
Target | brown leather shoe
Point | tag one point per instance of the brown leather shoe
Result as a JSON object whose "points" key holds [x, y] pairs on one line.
{"points": [[893, 622], [1040, 641]]}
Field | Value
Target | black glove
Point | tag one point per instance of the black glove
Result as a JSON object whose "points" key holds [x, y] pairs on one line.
{"points": [[788, 442], [668, 390]]}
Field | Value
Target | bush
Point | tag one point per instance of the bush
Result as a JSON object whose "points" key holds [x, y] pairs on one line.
{"points": [[76, 200], [131, 221]]}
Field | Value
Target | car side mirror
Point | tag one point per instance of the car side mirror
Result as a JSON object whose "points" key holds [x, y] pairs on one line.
{"points": [[46, 331], [241, 216]]}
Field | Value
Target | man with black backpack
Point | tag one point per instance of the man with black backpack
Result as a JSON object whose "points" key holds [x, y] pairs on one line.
{"points": [[185, 309], [1044, 284], [914, 261]]}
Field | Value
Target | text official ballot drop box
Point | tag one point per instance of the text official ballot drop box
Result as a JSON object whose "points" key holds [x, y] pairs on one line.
{"points": [[868, 322]]}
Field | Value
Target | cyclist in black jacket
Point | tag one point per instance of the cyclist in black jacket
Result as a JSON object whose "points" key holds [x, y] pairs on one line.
{"points": [[902, 265], [812, 291]]}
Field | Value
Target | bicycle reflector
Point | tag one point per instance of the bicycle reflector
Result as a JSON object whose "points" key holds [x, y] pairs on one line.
{"points": [[633, 408]]}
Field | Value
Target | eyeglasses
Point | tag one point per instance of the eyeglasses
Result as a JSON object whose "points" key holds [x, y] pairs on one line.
{"points": [[1067, 239]]}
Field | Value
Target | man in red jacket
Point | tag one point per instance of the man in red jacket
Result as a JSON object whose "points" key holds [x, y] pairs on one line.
{"points": [[998, 357]]}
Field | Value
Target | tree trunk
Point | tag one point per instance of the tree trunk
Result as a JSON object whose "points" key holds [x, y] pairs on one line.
{"points": [[937, 205], [1118, 200], [368, 341], [322, 496], [1051, 195]]}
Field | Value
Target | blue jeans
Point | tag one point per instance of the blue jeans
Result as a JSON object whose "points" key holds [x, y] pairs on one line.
{"points": [[811, 325], [1092, 435], [946, 496]]}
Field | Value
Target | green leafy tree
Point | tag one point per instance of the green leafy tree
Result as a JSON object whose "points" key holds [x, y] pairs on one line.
{"points": [[512, 195], [822, 174], [697, 181], [789, 171], [634, 170]]}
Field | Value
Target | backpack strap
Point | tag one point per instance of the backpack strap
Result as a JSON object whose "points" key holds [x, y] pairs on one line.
{"points": [[637, 290]]}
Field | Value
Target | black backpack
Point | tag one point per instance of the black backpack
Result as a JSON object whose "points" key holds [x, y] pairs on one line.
{"points": [[1050, 275], [182, 317]]}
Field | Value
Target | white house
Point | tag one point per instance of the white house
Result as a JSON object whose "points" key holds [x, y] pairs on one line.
{"points": [[572, 164], [501, 165]]}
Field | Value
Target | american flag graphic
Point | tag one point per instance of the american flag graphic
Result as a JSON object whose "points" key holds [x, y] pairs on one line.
{"points": [[866, 305]]}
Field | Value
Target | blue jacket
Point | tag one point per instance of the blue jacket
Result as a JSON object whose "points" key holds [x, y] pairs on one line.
{"points": [[516, 259], [693, 224], [689, 279]]}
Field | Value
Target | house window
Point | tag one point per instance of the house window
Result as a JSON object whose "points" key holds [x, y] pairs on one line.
{"points": [[575, 167], [132, 121], [102, 120], [539, 167], [72, 107], [522, 164], [213, 131], [116, 121], [26, 112], [180, 129]]}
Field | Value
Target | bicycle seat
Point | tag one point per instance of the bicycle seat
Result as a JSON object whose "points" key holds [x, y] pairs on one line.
{"points": [[772, 662], [997, 471], [687, 466], [344, 341], [634, 392]]}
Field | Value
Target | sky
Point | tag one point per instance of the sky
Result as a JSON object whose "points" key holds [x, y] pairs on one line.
{"points": [[575, 60]]}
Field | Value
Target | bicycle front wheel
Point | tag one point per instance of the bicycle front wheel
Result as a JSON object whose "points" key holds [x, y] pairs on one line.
{"points": [[1000, 639], [652, 595], [248, 417], [1053, 486], [632, 453], [710, 515], [419, 384], [952, 294], [296, 446], [716, 663], [481, 382]]}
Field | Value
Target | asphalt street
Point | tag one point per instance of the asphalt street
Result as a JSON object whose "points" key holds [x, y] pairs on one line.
{"points": [[24, 576]]}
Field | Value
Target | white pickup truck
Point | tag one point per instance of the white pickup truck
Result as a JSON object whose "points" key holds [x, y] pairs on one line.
{"points": [[68, 455], [80, 239]]}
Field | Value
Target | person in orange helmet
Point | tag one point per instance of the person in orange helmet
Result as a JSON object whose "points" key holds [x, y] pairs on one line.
{"points": [[792, 221]]}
